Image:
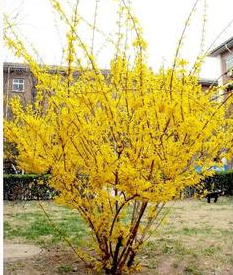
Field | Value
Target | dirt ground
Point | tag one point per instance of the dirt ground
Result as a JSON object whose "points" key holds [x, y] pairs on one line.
{"points": [[197, 239]]}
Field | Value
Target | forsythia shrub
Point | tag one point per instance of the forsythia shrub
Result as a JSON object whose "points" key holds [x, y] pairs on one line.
{"points": [[117, 146]]}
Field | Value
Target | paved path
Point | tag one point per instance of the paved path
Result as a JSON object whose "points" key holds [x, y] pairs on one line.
{"points": [[14, 252]]}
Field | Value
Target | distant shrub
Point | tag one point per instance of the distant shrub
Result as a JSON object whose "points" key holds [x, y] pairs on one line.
{"points": [[27, 187], [220, 181]]}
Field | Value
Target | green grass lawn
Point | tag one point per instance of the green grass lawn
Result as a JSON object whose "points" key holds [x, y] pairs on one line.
{"points": [[196, 239], [27, 222]]}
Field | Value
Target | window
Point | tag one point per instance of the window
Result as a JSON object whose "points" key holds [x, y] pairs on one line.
{"points": [[18, 85], [229, 62]]}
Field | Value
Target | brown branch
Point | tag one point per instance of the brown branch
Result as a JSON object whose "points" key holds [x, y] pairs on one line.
{"points": [[63, 236], [133, 232]]}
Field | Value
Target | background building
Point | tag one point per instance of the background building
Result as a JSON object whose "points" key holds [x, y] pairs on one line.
{"points": [[225, 54], [17, 80]]}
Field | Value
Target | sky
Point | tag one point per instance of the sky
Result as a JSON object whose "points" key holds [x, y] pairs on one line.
{"points": [[162, 22]]}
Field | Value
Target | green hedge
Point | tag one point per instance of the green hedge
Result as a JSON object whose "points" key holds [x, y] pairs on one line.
{"points": [[220, 181], [27, 187], [35, 187]]}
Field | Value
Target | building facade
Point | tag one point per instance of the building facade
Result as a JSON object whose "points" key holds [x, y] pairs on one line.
{"points": [[224, 53], [17, 80]]}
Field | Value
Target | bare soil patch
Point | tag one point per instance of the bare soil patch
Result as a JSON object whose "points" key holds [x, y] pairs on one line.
{"points": [[16, 252]]}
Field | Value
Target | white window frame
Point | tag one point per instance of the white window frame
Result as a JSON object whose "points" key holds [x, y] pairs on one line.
{"points": [[18, 82], [229, 62]]}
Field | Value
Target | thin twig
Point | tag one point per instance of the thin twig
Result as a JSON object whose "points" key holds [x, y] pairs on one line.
{"points": [[63, 235]]}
